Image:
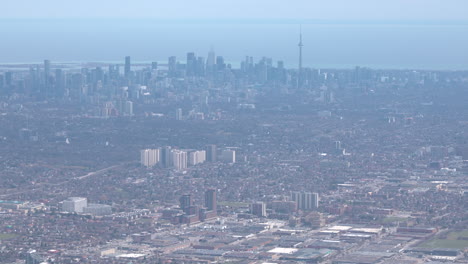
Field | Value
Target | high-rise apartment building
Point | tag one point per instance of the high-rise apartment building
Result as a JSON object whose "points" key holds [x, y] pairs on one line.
{"points": [[210, 200], [305, 200], [149, 157], [211, 153], [186, 202], [258, 209], [179, 114], [179, 159], [228, 156], [196, 157], [166, 157], [127, 68], [191, 64]]}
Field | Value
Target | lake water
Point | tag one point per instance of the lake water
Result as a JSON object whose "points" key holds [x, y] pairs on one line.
{"points": [[325, 45]]}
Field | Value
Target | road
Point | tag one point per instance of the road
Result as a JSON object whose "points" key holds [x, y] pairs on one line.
{"points": [[39, 186]]}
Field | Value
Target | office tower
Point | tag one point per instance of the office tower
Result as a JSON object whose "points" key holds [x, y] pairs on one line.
{"points": [[196, 157], [338, 145], [149, 157], [128, 111], [228, 156], [281, 72], [305, 200], [186, 202], [280, 65], [74, 204], [262, 71], [8, 79], [179, 159], [210, 200], [166, 157], [172, 66], [154, 65], [2, 80], [211, 153], [258, 209], [200, 67], [111, 72], [191, 64], [127, 67], [299, 74], [210, 62], [179, 115], [46, 72], [46, 91], [220, 66], [98, 74], [59, 83]]}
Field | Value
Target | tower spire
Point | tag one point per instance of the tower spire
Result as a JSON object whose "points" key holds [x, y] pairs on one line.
{"points": [[299, 78]]}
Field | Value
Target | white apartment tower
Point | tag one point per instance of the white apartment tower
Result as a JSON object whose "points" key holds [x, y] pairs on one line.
{"points": [[179, 159], [305, 200], [196, 157], [149, 157]]}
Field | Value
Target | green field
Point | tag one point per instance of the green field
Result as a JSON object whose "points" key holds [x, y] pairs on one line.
{"points": [[7, 236], [451, 240]]}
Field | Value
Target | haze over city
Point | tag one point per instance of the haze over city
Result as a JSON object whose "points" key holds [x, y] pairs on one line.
{"points": [[384, 34]]}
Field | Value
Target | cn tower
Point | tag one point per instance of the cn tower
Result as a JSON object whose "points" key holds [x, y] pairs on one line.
{"points": [[299, 76]]}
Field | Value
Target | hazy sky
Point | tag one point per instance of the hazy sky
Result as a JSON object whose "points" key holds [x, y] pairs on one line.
{"points": [[376, 33], [436, 10]]}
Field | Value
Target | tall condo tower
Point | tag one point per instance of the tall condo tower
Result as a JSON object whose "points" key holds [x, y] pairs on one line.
{"points": [[299, 75], [127, 67]]}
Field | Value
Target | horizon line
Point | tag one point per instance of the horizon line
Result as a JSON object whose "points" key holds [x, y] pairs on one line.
{"points": [[304, 21]]}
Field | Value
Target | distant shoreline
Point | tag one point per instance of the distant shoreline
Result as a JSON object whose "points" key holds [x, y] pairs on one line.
{"points": [[22, 66]]}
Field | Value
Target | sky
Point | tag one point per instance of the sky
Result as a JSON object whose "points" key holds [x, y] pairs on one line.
{"points": [[337, 33], [363, 10]]}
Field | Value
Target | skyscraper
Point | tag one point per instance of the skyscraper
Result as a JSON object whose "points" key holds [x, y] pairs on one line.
{"points": [[258, 209], [299, 74], [59, 83], [46, 69], [196, 157], [220, 65], [166, 156], [228, 156], [149, 157], [305, 200], [210, 199], [200, 67], [210, 62], [191, 64], [172, 66], [179, 159], [1, 83], [211, 153], [46, 90], [127, 67], [8, 81], [185, 202], [179, 114]]}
